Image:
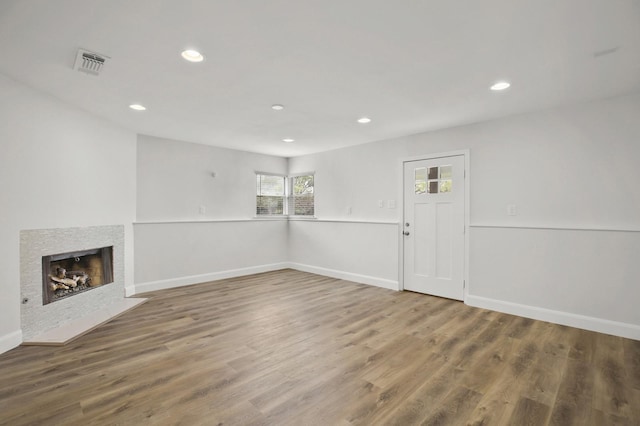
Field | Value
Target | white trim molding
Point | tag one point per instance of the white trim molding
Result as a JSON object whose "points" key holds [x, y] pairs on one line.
{"points": [[630, 331], [557, 227], [174, 222], [214, 276], [349, 276], [10, 341], [315, 219], [203, 278]]}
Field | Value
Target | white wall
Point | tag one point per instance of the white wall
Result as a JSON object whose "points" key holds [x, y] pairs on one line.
{"points": [[573, 166], [172, 254], [355, 178], [175, 243], [354, 238], [59, 167], [567, 168], [568, 276], [174, 180], [365, 252]]}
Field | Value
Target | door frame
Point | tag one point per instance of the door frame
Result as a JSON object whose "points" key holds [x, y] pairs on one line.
{"points": [[467, 182]]}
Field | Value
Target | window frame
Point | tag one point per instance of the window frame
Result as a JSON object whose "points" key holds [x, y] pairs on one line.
{"points": [[290, 201], [284, 196], [288, 198]]}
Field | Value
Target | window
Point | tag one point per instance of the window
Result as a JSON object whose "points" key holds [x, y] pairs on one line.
{"points": [[433, 179], [302, 202], [282, 195], [271, 195]]}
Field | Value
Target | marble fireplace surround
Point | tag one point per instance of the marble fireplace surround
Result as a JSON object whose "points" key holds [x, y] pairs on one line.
{"points": [[60, 322]]}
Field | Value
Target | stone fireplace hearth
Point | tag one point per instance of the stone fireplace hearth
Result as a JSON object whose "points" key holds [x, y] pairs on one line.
{"points": [[53, 246]]}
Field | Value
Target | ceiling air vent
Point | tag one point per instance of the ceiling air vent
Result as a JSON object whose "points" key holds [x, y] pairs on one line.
{"points": [[89, 62]]}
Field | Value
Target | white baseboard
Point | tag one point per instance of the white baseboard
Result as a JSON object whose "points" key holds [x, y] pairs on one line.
{"points": [[232, 273], [10, 341], [615, 328], [203, 278], [342, 275]]}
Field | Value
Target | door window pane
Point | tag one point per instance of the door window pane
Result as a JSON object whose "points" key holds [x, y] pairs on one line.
{"points": [[433, 173], [434, 180], [420, 180]]}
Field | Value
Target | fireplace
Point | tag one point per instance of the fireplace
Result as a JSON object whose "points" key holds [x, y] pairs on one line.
{"points": [[69, 274], [44, 251]]}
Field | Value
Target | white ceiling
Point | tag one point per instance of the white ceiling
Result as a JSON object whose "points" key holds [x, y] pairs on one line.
{"points": [[410, 65]]}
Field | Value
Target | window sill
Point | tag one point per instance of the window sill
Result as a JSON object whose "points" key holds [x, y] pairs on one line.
{"points": [[270, 217], [284, 217]]}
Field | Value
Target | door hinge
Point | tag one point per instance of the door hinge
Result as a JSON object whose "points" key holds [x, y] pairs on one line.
{"points": [[464, 284]]}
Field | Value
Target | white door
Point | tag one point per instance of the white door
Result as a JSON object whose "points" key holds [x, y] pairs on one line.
{"points": [[433, 227]]}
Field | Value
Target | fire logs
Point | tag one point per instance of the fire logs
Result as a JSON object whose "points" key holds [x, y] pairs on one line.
{"points": [[63, 279]]}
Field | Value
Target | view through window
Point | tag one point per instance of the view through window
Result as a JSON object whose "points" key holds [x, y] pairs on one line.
{"points": [[281, 195]]}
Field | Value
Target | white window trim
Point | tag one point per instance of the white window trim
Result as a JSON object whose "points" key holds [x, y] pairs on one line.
{"points": [[287, 197]]}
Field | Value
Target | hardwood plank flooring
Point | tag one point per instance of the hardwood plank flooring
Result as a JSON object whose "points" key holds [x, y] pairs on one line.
{"points": [[292, 348]]}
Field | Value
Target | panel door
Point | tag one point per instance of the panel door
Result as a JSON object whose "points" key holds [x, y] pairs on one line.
{"points": [[434, 226]]}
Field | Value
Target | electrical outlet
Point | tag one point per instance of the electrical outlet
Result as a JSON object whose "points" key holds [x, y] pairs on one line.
{"points": [[381, 203], [202, 210], [391, 204], [512, 210], [349, 211]]}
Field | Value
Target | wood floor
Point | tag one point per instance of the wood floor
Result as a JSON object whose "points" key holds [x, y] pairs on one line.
{"points": [[291, 348]]}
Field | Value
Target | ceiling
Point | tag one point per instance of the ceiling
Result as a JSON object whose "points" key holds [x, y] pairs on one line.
{"points": [[409, 65]]}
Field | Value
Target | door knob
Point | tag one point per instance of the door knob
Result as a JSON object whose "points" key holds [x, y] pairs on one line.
{"points": [[406, 232]]}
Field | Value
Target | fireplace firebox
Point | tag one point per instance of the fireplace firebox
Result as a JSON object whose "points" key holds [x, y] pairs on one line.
{"points": [[68, 274]]}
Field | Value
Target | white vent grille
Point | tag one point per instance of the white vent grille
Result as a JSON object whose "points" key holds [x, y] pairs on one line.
{"points": [[89, 62]]}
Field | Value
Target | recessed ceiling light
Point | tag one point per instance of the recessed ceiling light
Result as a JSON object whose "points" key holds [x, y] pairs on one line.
{"points": [[364, 120], [277, 107], [137, 107], [501, 85], [192, 56], [288, 140]]}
